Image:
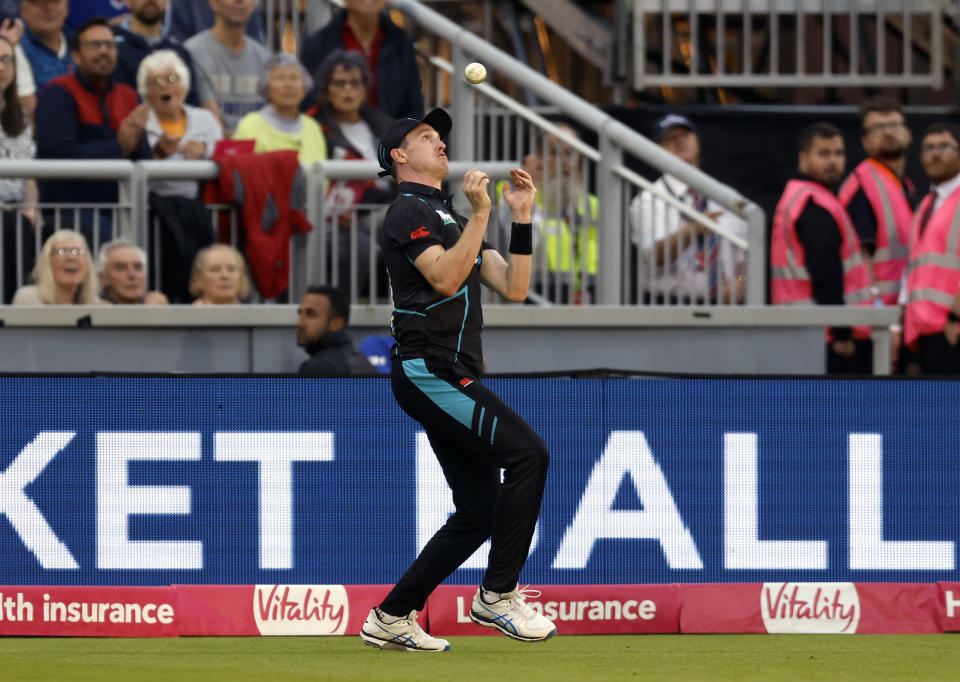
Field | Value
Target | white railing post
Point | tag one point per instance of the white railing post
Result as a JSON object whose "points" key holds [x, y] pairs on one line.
{"points": [[610, 237], [463, 135], [316, 241], [756, 255]]}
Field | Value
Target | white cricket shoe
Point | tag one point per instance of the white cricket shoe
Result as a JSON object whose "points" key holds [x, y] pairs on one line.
{"points": [[402, 634], [512, 616]]}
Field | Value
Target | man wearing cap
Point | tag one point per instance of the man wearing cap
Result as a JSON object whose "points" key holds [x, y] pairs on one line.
{"points": [[680, 260], [436, 260]]}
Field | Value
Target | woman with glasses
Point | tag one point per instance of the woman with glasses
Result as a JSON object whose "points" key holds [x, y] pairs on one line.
{"points": [[175, 131], [280, 126], [63, 275], [16, 143], [353, 128]]}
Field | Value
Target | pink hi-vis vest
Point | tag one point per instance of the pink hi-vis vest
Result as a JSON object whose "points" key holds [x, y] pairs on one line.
{"points": [[894, 217], [790, 282], [933, 273]]}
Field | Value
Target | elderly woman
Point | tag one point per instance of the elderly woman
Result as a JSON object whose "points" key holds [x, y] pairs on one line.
{"points": [[280, 125], [63, 274], [175, 130], [219, 276]]}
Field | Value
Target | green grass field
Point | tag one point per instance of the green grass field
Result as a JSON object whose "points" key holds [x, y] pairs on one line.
{"points": [[673, 658]]}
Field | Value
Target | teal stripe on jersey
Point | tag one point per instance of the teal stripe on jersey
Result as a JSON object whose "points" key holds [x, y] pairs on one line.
{"points": [[442, 394]]}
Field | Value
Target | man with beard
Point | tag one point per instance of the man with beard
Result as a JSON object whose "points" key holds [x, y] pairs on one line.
{"points": [[932, 292], [86, 115], [142, 34], [815, 256], [322, 332], [879, 198]]}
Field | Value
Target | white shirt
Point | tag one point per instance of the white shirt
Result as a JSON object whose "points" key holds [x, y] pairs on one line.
{"points": [[684, 276]]}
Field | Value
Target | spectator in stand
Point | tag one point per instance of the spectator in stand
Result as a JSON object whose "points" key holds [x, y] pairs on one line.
{"points": [[175, 130], [680, 260], [63, 274], [16, 143], [565, 222], [879, 197], [280, 125], [87, 116], [230, 62], [44, 51], [84, 10], [322, 332], [141, 34], [932, 293], [219, 276], [815, 255], [352, 128], [187, 18], [122, 268], [363, 25]]}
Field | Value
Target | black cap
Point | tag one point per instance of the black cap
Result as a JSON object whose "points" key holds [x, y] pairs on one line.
{"points": [[669, 122], [438, 119]]}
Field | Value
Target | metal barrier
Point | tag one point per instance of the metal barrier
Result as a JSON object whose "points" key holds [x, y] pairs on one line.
{"points": [[337, 250], [799, 41], [488, 124]]}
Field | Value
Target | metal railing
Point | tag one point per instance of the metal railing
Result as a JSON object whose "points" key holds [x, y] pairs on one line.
{"points": [[336, 251], [488, 124], [797, 46]]}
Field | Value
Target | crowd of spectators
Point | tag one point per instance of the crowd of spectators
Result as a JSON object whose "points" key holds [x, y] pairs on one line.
{"points": [[172, 79]]}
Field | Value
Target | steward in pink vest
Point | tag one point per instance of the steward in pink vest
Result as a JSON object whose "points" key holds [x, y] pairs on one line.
{"points": [[931, 324], [892, 214], [815, 255], [877, 196]]}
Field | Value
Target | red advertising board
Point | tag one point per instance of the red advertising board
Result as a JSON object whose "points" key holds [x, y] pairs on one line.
{"points": [[841, 608], [575, 609], [88, 611]]}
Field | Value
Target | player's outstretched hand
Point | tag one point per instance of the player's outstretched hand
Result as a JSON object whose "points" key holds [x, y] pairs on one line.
{"points": [[475, 183], [520, 198]]}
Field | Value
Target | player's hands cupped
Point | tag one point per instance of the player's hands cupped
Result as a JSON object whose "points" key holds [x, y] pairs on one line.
{"points": [[475, 184], [520, 197]]}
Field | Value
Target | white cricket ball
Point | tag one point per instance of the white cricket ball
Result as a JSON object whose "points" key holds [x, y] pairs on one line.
{"points": [[475, 73]]}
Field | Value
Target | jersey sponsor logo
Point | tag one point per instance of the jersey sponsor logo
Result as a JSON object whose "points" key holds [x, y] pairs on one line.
{"points": [[421, 231], [446, 217], [466, 382]]}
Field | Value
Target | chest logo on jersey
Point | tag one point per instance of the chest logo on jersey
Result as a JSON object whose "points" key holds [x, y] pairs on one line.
{"points": [[446, 217], [421, 231], [466, 382]]}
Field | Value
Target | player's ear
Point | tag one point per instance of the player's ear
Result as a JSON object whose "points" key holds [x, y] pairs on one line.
{"points": [[398, 155]]}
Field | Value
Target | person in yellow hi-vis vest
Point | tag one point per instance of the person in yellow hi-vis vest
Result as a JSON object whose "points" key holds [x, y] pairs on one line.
{"points": [[566, 220]]}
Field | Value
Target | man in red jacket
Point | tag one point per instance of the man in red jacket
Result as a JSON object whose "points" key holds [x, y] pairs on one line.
{"points": [[87, 116]]}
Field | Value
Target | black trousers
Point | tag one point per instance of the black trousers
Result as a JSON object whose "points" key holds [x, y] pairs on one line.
{"points": [[861, 362], [474, 435], [937, 356]]}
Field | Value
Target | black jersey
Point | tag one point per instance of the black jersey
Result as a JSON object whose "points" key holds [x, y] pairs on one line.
{"points": [[425, 323]]}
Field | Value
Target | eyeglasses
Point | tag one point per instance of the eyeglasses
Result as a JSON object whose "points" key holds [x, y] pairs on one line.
{"points": [[946, 148], [160, 80], [6, 59], [100, 44], [347, 82], [72, 252], [892, 126]]}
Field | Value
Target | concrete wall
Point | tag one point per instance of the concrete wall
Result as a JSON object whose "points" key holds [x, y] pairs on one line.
{"points": [[260, 339]]}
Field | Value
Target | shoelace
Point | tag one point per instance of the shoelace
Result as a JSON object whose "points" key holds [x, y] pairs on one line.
{"points": [[519, 601]]}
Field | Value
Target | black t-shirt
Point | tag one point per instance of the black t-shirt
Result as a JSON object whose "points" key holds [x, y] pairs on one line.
{"points": [[425, 323]]}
